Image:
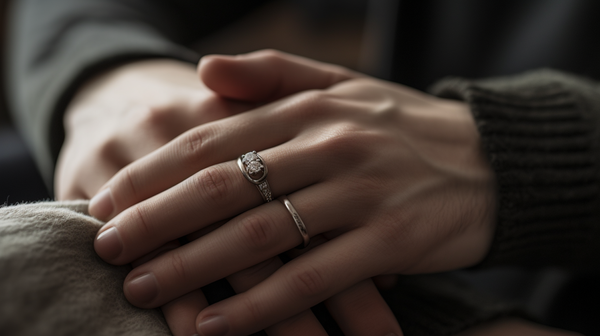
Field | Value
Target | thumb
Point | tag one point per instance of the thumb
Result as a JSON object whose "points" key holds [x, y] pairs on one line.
{"points": [[267, 75]]}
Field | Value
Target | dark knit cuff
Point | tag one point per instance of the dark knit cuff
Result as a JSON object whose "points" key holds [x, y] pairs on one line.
{"points": [[540, 133], [442, 304]]}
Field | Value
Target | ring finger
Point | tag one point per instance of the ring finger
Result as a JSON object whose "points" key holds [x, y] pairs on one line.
{"points": [[211, 195], [246, 240]]}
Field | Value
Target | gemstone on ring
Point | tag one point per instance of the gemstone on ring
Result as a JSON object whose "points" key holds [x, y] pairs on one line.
{"points": [[254, 167], [249, 157], [255, 170]]}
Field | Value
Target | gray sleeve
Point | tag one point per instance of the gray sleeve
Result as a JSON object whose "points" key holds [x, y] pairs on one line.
{"points": [[541, 133], [55, 45]]}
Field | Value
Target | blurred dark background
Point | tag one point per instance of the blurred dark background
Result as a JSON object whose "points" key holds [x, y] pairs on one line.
{"points": [[414, 43], [19, 178]]}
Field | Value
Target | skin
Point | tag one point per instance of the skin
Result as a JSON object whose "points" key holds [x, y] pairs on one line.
{"points": [[136, 126], [131, 111], [394, 180]]}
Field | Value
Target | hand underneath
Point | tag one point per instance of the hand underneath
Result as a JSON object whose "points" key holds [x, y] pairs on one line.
{"points": [[126, 113], [392, 179]]}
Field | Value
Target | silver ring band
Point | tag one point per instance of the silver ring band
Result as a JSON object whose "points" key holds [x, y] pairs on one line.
{"points": [[296, 217], [255, 170]]}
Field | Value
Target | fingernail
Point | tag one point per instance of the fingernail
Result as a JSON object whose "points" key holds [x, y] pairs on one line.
{"points": [[101, 206], [143, 289], [214, 326], [108, 244]]}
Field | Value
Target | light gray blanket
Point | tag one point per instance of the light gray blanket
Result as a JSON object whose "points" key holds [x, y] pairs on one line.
{"points": [[53, 283]]}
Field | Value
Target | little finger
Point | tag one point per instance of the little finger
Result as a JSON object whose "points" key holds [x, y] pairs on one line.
{"points": [[304, 323]]}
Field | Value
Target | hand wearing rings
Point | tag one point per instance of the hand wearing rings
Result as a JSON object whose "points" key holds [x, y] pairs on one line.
{"points": [[255, 170], [369, 164]]}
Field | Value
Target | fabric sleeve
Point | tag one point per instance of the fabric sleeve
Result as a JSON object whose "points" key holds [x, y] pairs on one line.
{"points": [[540, 133], [55, 45]]}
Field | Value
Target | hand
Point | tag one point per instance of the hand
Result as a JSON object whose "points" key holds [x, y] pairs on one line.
{"points": [[129, 112], [393, 178], [126, 113]]}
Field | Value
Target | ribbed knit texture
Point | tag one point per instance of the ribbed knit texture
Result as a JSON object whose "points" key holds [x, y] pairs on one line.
{"points": [[540, 133]]}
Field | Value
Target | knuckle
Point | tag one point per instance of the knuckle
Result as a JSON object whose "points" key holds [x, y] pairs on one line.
{"points": [[142, 221], [178, 266], [252, 308], [192, 146], [257, 231], [308, 281], [128, 181], [308, 105], [214, 184], [154, 117], [108, 149], [346, 142]]}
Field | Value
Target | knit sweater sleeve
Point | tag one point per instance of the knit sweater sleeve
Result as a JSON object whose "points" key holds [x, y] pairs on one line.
{"points": [[540, 131]]}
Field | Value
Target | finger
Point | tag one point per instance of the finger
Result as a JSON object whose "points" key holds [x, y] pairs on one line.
{"points": [[213, 194], [248, 239], [191, 152], [181, 313], [207, 145], [267, 75], [304, 323], [299, 284], [361, 311]]}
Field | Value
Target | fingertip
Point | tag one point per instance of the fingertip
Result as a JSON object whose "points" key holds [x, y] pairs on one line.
{"points": [[141, 290], [237, 77], [102, 205], [181, 313], [213, 326], [108, 244]]}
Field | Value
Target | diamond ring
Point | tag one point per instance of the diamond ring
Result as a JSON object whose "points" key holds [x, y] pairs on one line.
{"points": [[255, 170]]}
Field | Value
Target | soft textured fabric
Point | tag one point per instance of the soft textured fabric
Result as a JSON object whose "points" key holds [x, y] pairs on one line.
{"points": [[53, 283]]}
